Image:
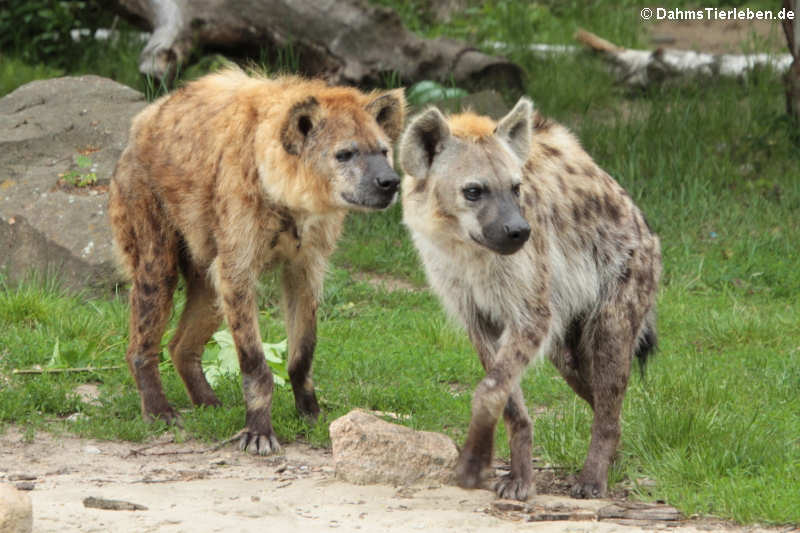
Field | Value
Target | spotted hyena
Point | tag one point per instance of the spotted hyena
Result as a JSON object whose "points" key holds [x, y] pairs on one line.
{"points": [[537, 251], [226, 177]]}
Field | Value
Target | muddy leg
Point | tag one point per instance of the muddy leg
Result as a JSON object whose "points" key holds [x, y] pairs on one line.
{"points": [[238, 297], [490, 399], [300, 287], [612, 351], [200, 319], [485, 336], [151, 303], [518, 485], [576, 370]]}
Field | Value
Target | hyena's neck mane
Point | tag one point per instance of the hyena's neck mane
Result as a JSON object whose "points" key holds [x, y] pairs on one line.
{"points": [[472, 280]]}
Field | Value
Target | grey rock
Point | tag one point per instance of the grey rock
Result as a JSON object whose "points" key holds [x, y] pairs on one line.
{"points": [[46, 227], [368, 450], [16, 511]]}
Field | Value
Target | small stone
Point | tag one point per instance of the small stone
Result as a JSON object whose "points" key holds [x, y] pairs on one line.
{"points": [[112, 505], [21, 477], [16, 511], [369, 450], [25, 485]]}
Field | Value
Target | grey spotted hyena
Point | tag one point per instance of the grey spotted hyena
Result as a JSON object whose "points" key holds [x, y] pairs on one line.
{"points": [[537, 251]]}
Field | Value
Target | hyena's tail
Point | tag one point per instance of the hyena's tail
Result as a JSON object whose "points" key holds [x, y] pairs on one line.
{"points": [[647, 342]]}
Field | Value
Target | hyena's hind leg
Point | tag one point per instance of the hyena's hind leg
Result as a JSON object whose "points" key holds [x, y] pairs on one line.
{"points": [[610, 340], [570, 358], [152, 254], [200, 319]]}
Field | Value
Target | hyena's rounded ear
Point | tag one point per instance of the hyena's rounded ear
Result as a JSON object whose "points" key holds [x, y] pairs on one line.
{"points": [[302, 117], [389, 110], [516, 128], [422, 141]]}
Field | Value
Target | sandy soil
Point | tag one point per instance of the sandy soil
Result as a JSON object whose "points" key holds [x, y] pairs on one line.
{"points": [[187, 487]]}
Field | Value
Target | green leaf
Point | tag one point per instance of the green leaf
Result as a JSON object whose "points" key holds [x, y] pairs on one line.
{"points": [[55, 359], [421, 87], [223, 359], [429, 91], [223, 337], [83, 161], [273, 351]]}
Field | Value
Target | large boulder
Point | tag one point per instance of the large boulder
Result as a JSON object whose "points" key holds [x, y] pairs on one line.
{"points": [[368, 450], [53, 134], [16, 512]]}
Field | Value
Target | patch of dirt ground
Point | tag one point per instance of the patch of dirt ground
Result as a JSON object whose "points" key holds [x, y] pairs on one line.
{"points": [[719, 36], [189, 487]]}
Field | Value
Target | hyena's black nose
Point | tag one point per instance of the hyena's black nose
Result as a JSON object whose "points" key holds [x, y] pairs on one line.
{"points": [[517, 231], [386, 179], [387, 182]]}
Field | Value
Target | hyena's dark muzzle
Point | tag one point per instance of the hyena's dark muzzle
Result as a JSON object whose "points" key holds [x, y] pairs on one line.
{"points": [[504, 229], [378, 184]]}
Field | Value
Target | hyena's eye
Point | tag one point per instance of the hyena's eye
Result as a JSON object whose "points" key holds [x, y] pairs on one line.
{"points": [[472, 193], [515, 189], [343, 156]]}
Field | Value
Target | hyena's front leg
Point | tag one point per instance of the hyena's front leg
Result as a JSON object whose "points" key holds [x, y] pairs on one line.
{"points": [[301, 285], [518, 484], [239, 305], [488, 403], [485, 334]]}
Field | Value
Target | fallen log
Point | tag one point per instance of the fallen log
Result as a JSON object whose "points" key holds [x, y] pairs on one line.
{"points": [[344, 41], [640, 68]]}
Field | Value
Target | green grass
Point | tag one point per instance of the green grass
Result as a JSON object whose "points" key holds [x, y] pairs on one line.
{"points": [[715, 423]]}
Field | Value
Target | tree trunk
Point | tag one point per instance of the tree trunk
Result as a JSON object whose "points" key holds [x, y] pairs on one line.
{"points": [[792, 77], [344, 41]]}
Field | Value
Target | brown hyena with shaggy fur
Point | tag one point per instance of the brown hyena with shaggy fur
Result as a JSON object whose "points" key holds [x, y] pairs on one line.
{"points": [[537, 251], [225, 177]]}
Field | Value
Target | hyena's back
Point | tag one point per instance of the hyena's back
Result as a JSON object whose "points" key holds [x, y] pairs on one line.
{"points": [[169, 169]]}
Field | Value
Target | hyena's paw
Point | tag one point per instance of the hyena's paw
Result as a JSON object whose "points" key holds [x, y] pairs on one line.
{"points": [[258, 443], [588, 489], [164, 413], [306, 404], [470, 471], [514, 488]]}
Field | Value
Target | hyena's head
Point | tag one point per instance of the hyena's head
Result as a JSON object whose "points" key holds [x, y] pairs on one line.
{"points": [[345, 138], [463, 176]]}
